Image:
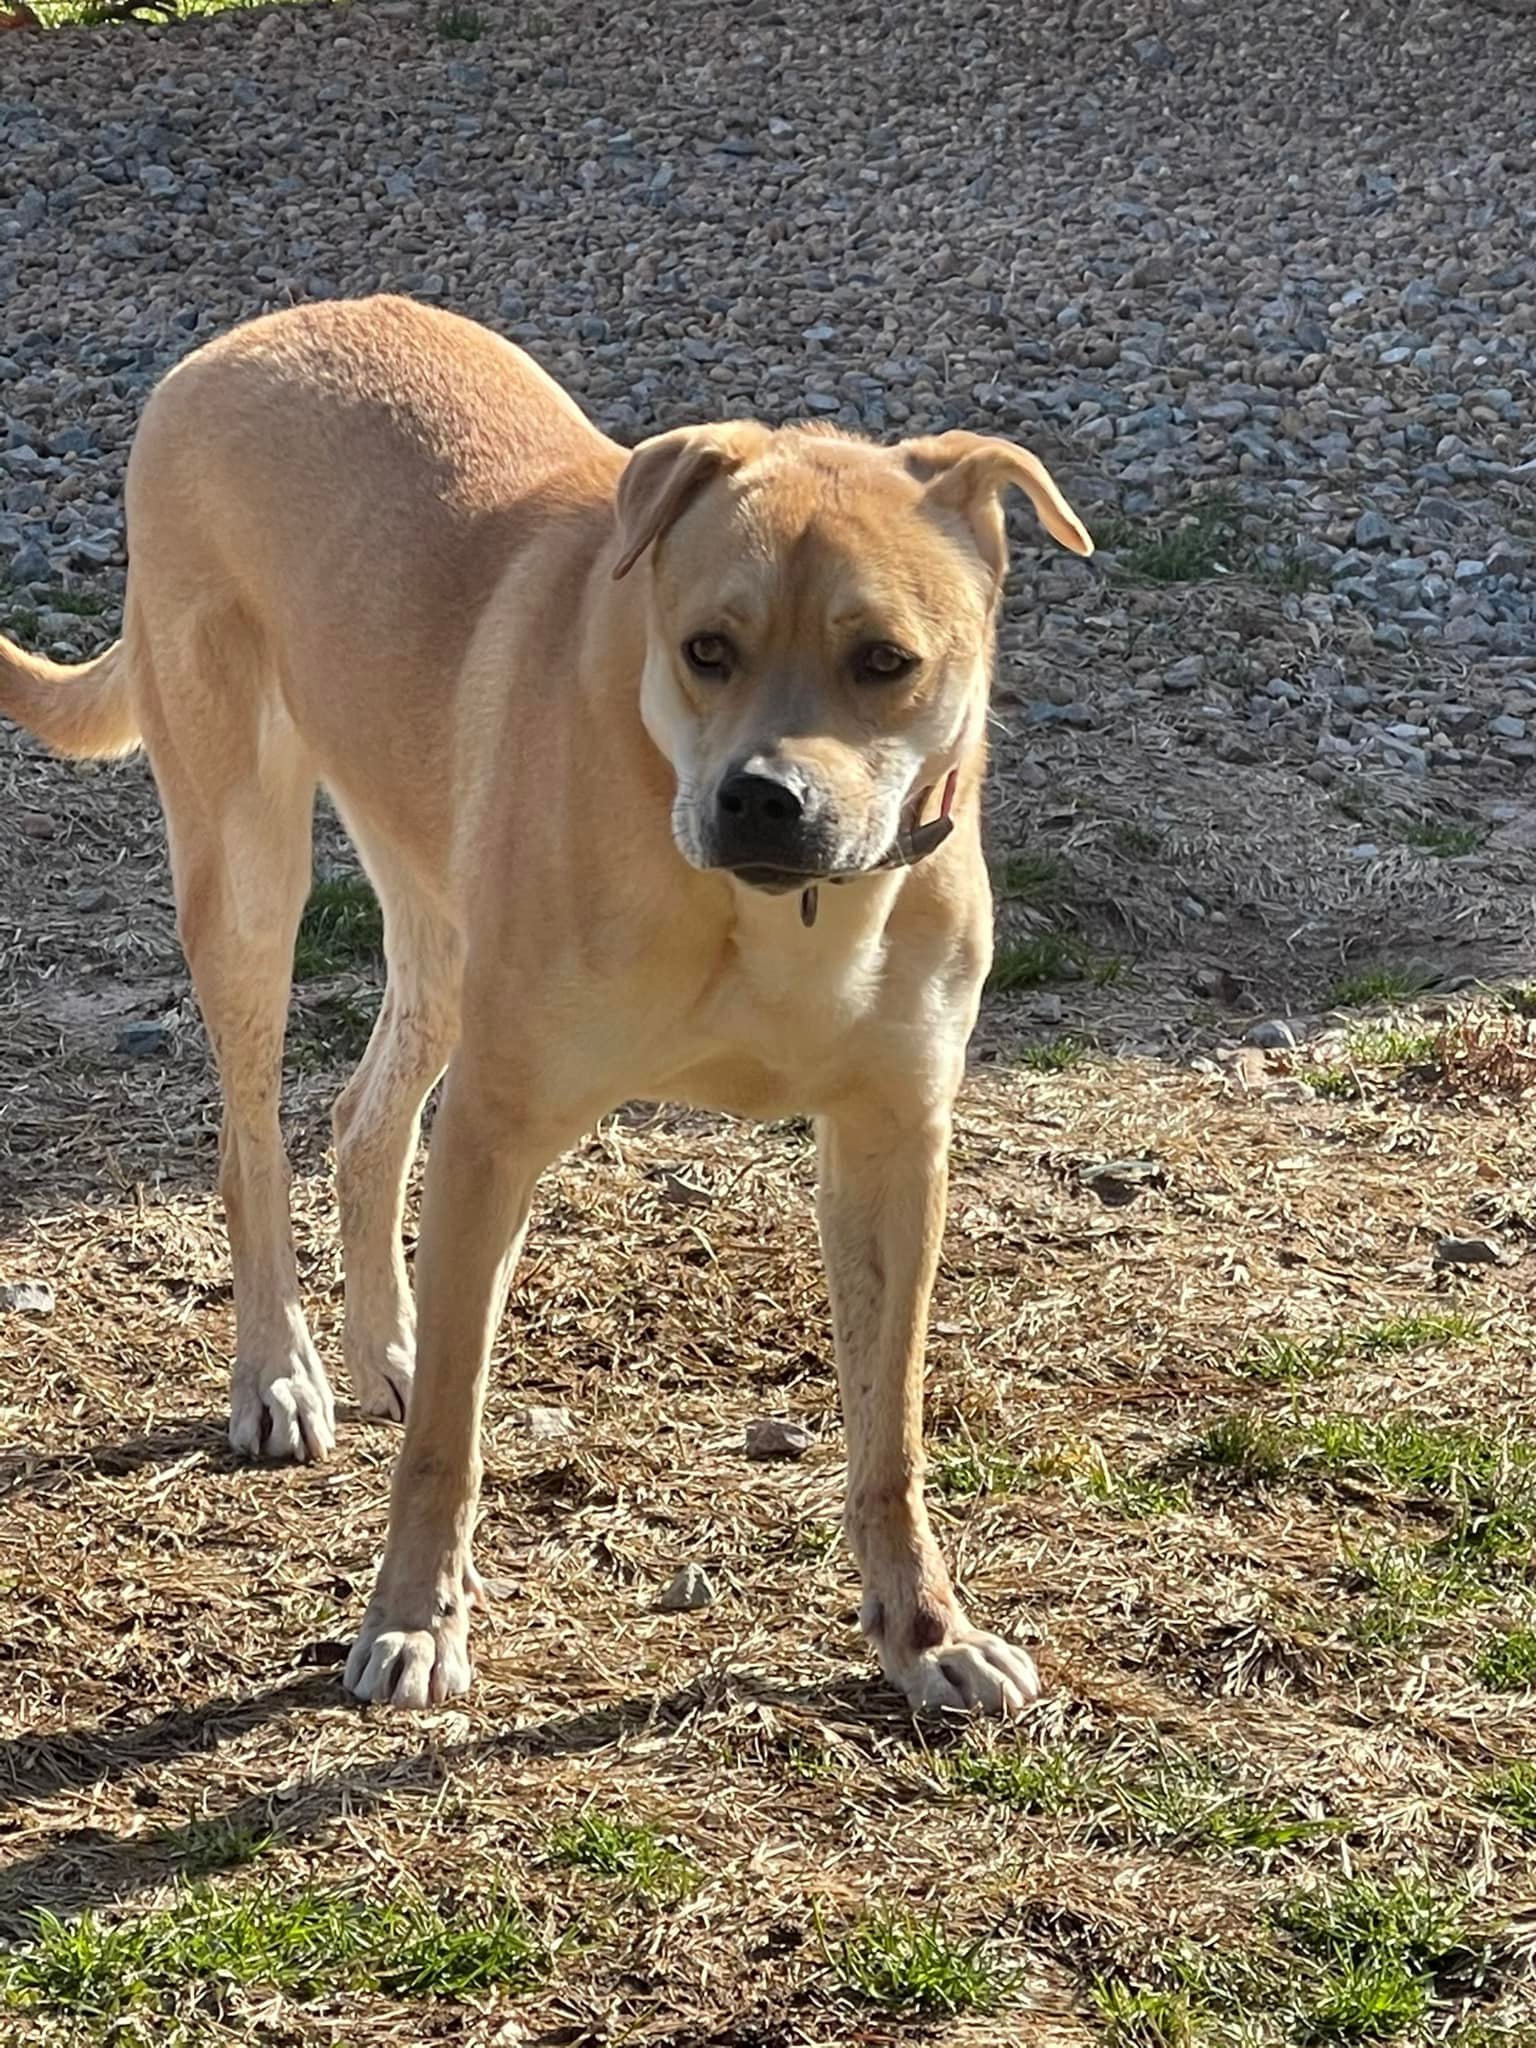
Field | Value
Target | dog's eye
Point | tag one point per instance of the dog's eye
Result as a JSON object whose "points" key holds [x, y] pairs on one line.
{"points": [[883, 662], [709, 654]]}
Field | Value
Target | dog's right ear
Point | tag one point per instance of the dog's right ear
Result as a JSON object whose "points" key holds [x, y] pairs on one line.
{"points": [[664, 473]]}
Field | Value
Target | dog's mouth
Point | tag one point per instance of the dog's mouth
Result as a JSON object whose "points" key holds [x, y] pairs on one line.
{"points": [[780, 881]]}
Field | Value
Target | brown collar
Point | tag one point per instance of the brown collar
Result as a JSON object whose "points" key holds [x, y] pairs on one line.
{"points": [[913, 842]]}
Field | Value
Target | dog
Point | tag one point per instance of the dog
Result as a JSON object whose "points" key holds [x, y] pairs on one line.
{"points": [[665, 766]]}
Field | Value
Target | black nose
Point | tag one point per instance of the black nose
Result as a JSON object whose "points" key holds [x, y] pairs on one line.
{"points": [[759, 823]]}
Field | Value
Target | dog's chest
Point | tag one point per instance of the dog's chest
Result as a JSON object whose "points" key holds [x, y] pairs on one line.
{"points": [[780, 1024]]}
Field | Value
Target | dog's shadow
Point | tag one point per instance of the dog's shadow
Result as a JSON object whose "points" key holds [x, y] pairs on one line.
{"points": [[78, 1869], [25, 1469]]}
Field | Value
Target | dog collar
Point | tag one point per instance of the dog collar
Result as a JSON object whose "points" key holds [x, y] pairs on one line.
{"points": [[913, 842]]}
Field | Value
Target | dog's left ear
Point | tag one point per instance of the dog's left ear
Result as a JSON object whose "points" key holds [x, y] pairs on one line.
{"points": [[968, 473], [664, 473]]}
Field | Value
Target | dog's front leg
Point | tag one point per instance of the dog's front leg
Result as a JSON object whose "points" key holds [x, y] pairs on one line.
{"points": [[881, 1205], [414, 1646]]}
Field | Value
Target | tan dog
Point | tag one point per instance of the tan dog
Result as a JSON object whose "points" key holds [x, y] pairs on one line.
{"points": [[375, 547]]}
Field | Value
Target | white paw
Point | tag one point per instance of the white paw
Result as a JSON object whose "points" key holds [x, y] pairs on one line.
{"points": [[381, 1380], [971, 1673], [283, 1409], [415, 1653]]}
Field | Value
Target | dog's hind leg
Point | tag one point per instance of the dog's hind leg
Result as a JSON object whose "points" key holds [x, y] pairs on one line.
{"points": [[377, 1120], [238, 790]]}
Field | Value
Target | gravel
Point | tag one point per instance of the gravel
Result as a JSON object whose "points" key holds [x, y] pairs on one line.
{"points": [[1276, 262]]}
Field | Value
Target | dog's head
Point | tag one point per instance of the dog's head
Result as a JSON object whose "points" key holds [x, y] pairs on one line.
{"points": [[819, 640]]}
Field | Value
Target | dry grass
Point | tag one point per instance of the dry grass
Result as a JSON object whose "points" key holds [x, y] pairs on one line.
{"points": [[716, 1827]]}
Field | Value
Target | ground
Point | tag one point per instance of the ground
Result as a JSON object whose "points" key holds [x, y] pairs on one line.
{"points": [[1231, 1368]]}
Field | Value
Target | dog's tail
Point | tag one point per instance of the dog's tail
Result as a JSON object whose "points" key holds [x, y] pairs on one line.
{"points": [[85, 710]]}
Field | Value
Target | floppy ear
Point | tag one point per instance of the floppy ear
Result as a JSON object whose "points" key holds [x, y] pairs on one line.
{"points": [[665, 472], [969, 473]]}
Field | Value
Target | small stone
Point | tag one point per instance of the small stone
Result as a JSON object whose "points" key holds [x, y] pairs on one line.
{"points": [[1365, 851], [29, 564], [36, 825], [1046, 1009], [140, 1040], [777, 1437], [543, 1424], [1504, 727], [1237, 751], [1466, 1251], [1184, 675], [89, 901], [26, 1298], [691, 1587], [1273, 1034], [1372, 530]]}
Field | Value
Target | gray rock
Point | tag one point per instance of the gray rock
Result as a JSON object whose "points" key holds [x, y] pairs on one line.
{"points": [[26, 1298], [1506, 728], [89, 901], [690, 1588], [1372, 530], [541, 1423], [1466, 1251], [29, 564], [140, 1040], [1184, 675], [1273, 1033], [777, 1437]]}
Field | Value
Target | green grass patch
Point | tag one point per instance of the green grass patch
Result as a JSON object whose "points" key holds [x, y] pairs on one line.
{"points": [[1031, 963], [1373, 2000], [97, 13], [460, 24], [1286, 1361], [1028, 878], [1444, 842], [1406, 1919], [1335, 1084], [302, 1943], [1377, 984], [1512, 1793], [1467, 1468], [1052, 1055], [1254, 1446], [1406, 1587], [1507, 1662], [1184, 1802], [1139, 2016], [1169, 1800], [342, 928], [1390, 1045], [1378, 1947], [1136, 1495], [1057, 1780], [1206, 541], [1395, 1336], [203, 1847], [79, 604], [639, 1859], [908, 1963], [970, 1470]]}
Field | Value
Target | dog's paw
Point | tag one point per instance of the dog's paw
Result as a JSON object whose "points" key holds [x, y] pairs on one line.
{"points": [[415, 1652], [381, 1381], [970, 1673], [282, 1409]]}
